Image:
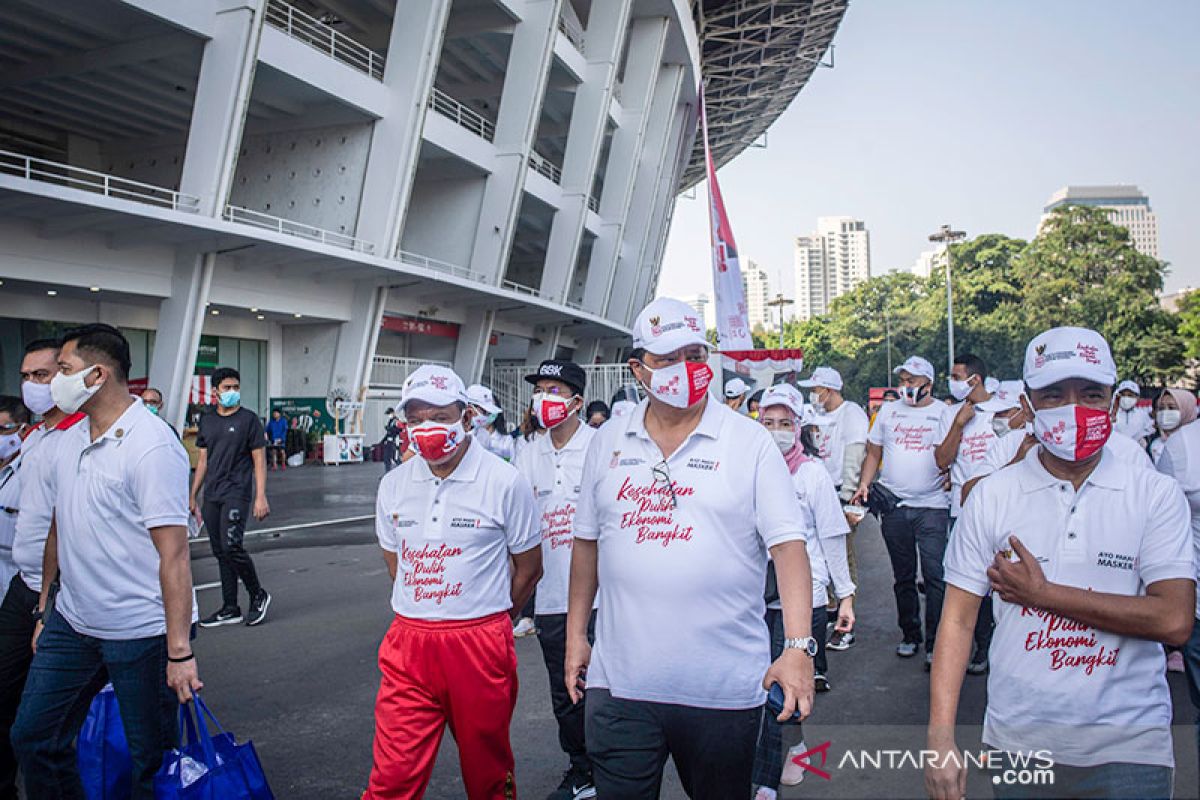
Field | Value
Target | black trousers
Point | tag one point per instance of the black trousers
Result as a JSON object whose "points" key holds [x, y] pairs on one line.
{"points": [[552, 636], [629, 742], [16, 653], [911, 534], [225, 521]]}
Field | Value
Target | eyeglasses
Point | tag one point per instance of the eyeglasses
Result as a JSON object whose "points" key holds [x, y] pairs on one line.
{"points": [[557, 391], [662, 475]]}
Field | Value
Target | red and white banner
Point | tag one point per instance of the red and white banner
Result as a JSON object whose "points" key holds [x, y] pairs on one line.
{"points": [[745, 362], [201, 393], [733, 324]]}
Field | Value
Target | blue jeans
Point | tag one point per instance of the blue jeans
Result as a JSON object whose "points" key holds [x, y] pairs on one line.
{"points": [[68, 671], [1113, 780], [1191, 665]]}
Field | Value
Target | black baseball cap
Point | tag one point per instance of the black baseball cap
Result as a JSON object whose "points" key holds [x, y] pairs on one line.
{"points": [[568, 372]]}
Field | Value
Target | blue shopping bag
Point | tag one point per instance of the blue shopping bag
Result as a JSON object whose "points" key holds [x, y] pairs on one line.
{"points": [[105, 767], [207, 767]]}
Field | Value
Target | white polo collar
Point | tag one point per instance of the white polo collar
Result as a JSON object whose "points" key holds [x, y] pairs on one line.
{"points": [[466, 471], [710, 422], [546, 445], [119, 431], [1034, 475]]}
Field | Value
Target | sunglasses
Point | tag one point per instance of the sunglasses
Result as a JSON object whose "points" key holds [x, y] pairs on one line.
{"points": [[662, 476]]}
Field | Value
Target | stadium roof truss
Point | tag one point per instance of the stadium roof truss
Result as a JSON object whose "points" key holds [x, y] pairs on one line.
{"points": [[756, 55]]}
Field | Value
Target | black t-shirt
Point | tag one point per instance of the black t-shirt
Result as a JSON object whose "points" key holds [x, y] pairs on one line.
{"points": [[229, 441]]}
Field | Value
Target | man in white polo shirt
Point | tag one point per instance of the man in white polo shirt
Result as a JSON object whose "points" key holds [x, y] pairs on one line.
{"points": [[1090, 564], [118, 546], [680, 503], [449, 522], [553, 465], [1131, 419], [916, 516]]}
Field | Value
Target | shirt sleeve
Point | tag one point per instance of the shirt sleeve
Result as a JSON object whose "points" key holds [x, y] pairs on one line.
{"points": [[256, 437], [970, 552], [385, 531], [777, 511], [1166, 551], [159, 483], [876, 434], [832, 528], [201, 441], [854, 430], [521, 522], [587, 522]]}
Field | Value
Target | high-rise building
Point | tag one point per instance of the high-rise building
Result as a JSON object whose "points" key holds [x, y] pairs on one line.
{"points": [[830, 262], [928, 261], [700, 302], [1127, 206], [758, 294]]}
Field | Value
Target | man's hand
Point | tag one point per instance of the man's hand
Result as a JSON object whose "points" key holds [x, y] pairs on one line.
{"points": [[37, 632], [845, 615], [793, 671], [192, 505], [262, 509], [579, 655], [946, 775], [966, 413], [860, 496], [184, 678], [1021, 582]]}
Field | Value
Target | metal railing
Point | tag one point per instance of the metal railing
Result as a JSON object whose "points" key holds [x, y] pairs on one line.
{"points": [[544, 166], [521, 288], [512, 393], [392, 371], [572, 31], [246, 216], [43, 171], [418, 260], [465, 117], [321, 37]]}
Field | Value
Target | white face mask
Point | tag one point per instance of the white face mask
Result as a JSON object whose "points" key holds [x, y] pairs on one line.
{"points": [[682, 384], [784, 440], [1169, 418], [960, 389], [9, 445], [816, 401], [1000, 426], [1127, 402], [1072, 432], [70, 392], [36, 397], [911, 395]]}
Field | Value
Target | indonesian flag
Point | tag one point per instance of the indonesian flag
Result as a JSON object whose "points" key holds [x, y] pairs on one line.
{"points": [[733, 324], [201, 393]]}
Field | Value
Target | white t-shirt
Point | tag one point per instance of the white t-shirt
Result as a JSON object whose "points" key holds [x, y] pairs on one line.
{"points": [[1181, 460], [495, 442], [452, 537], [1136, 423], [823, 516], [1004, 449], [847, 424], [977, 438], [908, 436], [555, 476], [10, 504], [681, 601], [37, 499], [1088, 696], [110, 494]]}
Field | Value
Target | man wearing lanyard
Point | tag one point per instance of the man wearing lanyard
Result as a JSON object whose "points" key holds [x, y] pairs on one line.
{"points": [[679, 505], [448, 523], [553, 465], [1090, 562], [125, 608]]}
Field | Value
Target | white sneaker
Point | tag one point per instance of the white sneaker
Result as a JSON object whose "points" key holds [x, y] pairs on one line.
{"points": [[793, 773], [765, 793], [524, 627]]}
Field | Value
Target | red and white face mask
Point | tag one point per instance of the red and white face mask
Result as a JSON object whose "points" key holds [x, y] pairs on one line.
{"points": [[436, 441], [550, 409], [1072, 432], [681, 385]]}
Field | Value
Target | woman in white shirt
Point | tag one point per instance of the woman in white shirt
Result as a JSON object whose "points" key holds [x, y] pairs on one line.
{"points": [[782, 413], [490, 429], [1173, 409]]}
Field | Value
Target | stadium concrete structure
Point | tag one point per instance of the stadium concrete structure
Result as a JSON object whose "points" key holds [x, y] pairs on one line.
{"points": [[325, 192]]}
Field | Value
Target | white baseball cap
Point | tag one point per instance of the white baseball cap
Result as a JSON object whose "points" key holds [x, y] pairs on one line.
{"points": [[1062, 353], [736, 388], [915, 365], [480, 395], [666, 325], [783, 394], [1007, 395], [1130, 386], [438, 386], [825, 377], [623, 408]]}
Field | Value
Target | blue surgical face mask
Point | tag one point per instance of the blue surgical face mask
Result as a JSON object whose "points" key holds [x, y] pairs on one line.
{"points": [[152, 408], [229, 399]]}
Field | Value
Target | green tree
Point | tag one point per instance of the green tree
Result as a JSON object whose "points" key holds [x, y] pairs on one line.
{"points": [[1188, 316]]}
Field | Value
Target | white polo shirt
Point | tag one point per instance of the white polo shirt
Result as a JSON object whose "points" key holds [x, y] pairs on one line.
{"points": [[37, 499], [847, 424], [1137, 423], [110, 493], [1181, 460], [977, 438], [681, 601], [908, 436], [555, 476], [826, 528], [452, 537], [1088, 696], [10, 505], [495, 442]]}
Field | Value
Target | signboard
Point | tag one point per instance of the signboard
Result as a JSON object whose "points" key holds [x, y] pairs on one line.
{"points": [[311, 412], [424, 327], [208, 352]]}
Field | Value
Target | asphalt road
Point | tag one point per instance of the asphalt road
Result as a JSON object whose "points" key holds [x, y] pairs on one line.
{"points": [[302, 685]]}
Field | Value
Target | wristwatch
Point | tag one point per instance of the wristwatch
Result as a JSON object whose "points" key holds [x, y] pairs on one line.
{"points": [[807, 644]]}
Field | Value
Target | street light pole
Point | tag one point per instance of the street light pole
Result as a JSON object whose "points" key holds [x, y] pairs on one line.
{"points": [[947, 237], [780, 301]]}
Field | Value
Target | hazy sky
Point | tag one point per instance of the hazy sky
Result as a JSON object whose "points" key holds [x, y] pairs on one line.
{"points": [[970, 112]]}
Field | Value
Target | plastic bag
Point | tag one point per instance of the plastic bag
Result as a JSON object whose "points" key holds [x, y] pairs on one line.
{"points": [[207, 767]]}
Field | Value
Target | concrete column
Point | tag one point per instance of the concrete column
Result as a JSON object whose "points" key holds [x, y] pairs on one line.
{"points": [[180, 320], [545, 343], [528, 69], [646, 83], [614, 297], [607, 24], [470, 354], [275, 360], [357, 339], [414, 48], [219, 111]]}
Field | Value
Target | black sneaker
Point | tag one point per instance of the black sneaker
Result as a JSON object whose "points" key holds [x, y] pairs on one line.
{"points": [[821, 683], [978, 665], [840, 641], [226, 616], [258, 607], [576, 785]]}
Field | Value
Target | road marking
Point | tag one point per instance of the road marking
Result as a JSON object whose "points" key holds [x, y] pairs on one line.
{"points": [[297, 527]]}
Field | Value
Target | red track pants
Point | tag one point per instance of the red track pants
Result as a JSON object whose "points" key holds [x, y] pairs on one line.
{"points": [[457, 673]]}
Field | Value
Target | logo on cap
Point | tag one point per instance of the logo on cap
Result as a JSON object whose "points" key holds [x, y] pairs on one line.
{"points": [[551, 369], [439, 382], [691, 321], [654, 326], [1088, 352]]}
